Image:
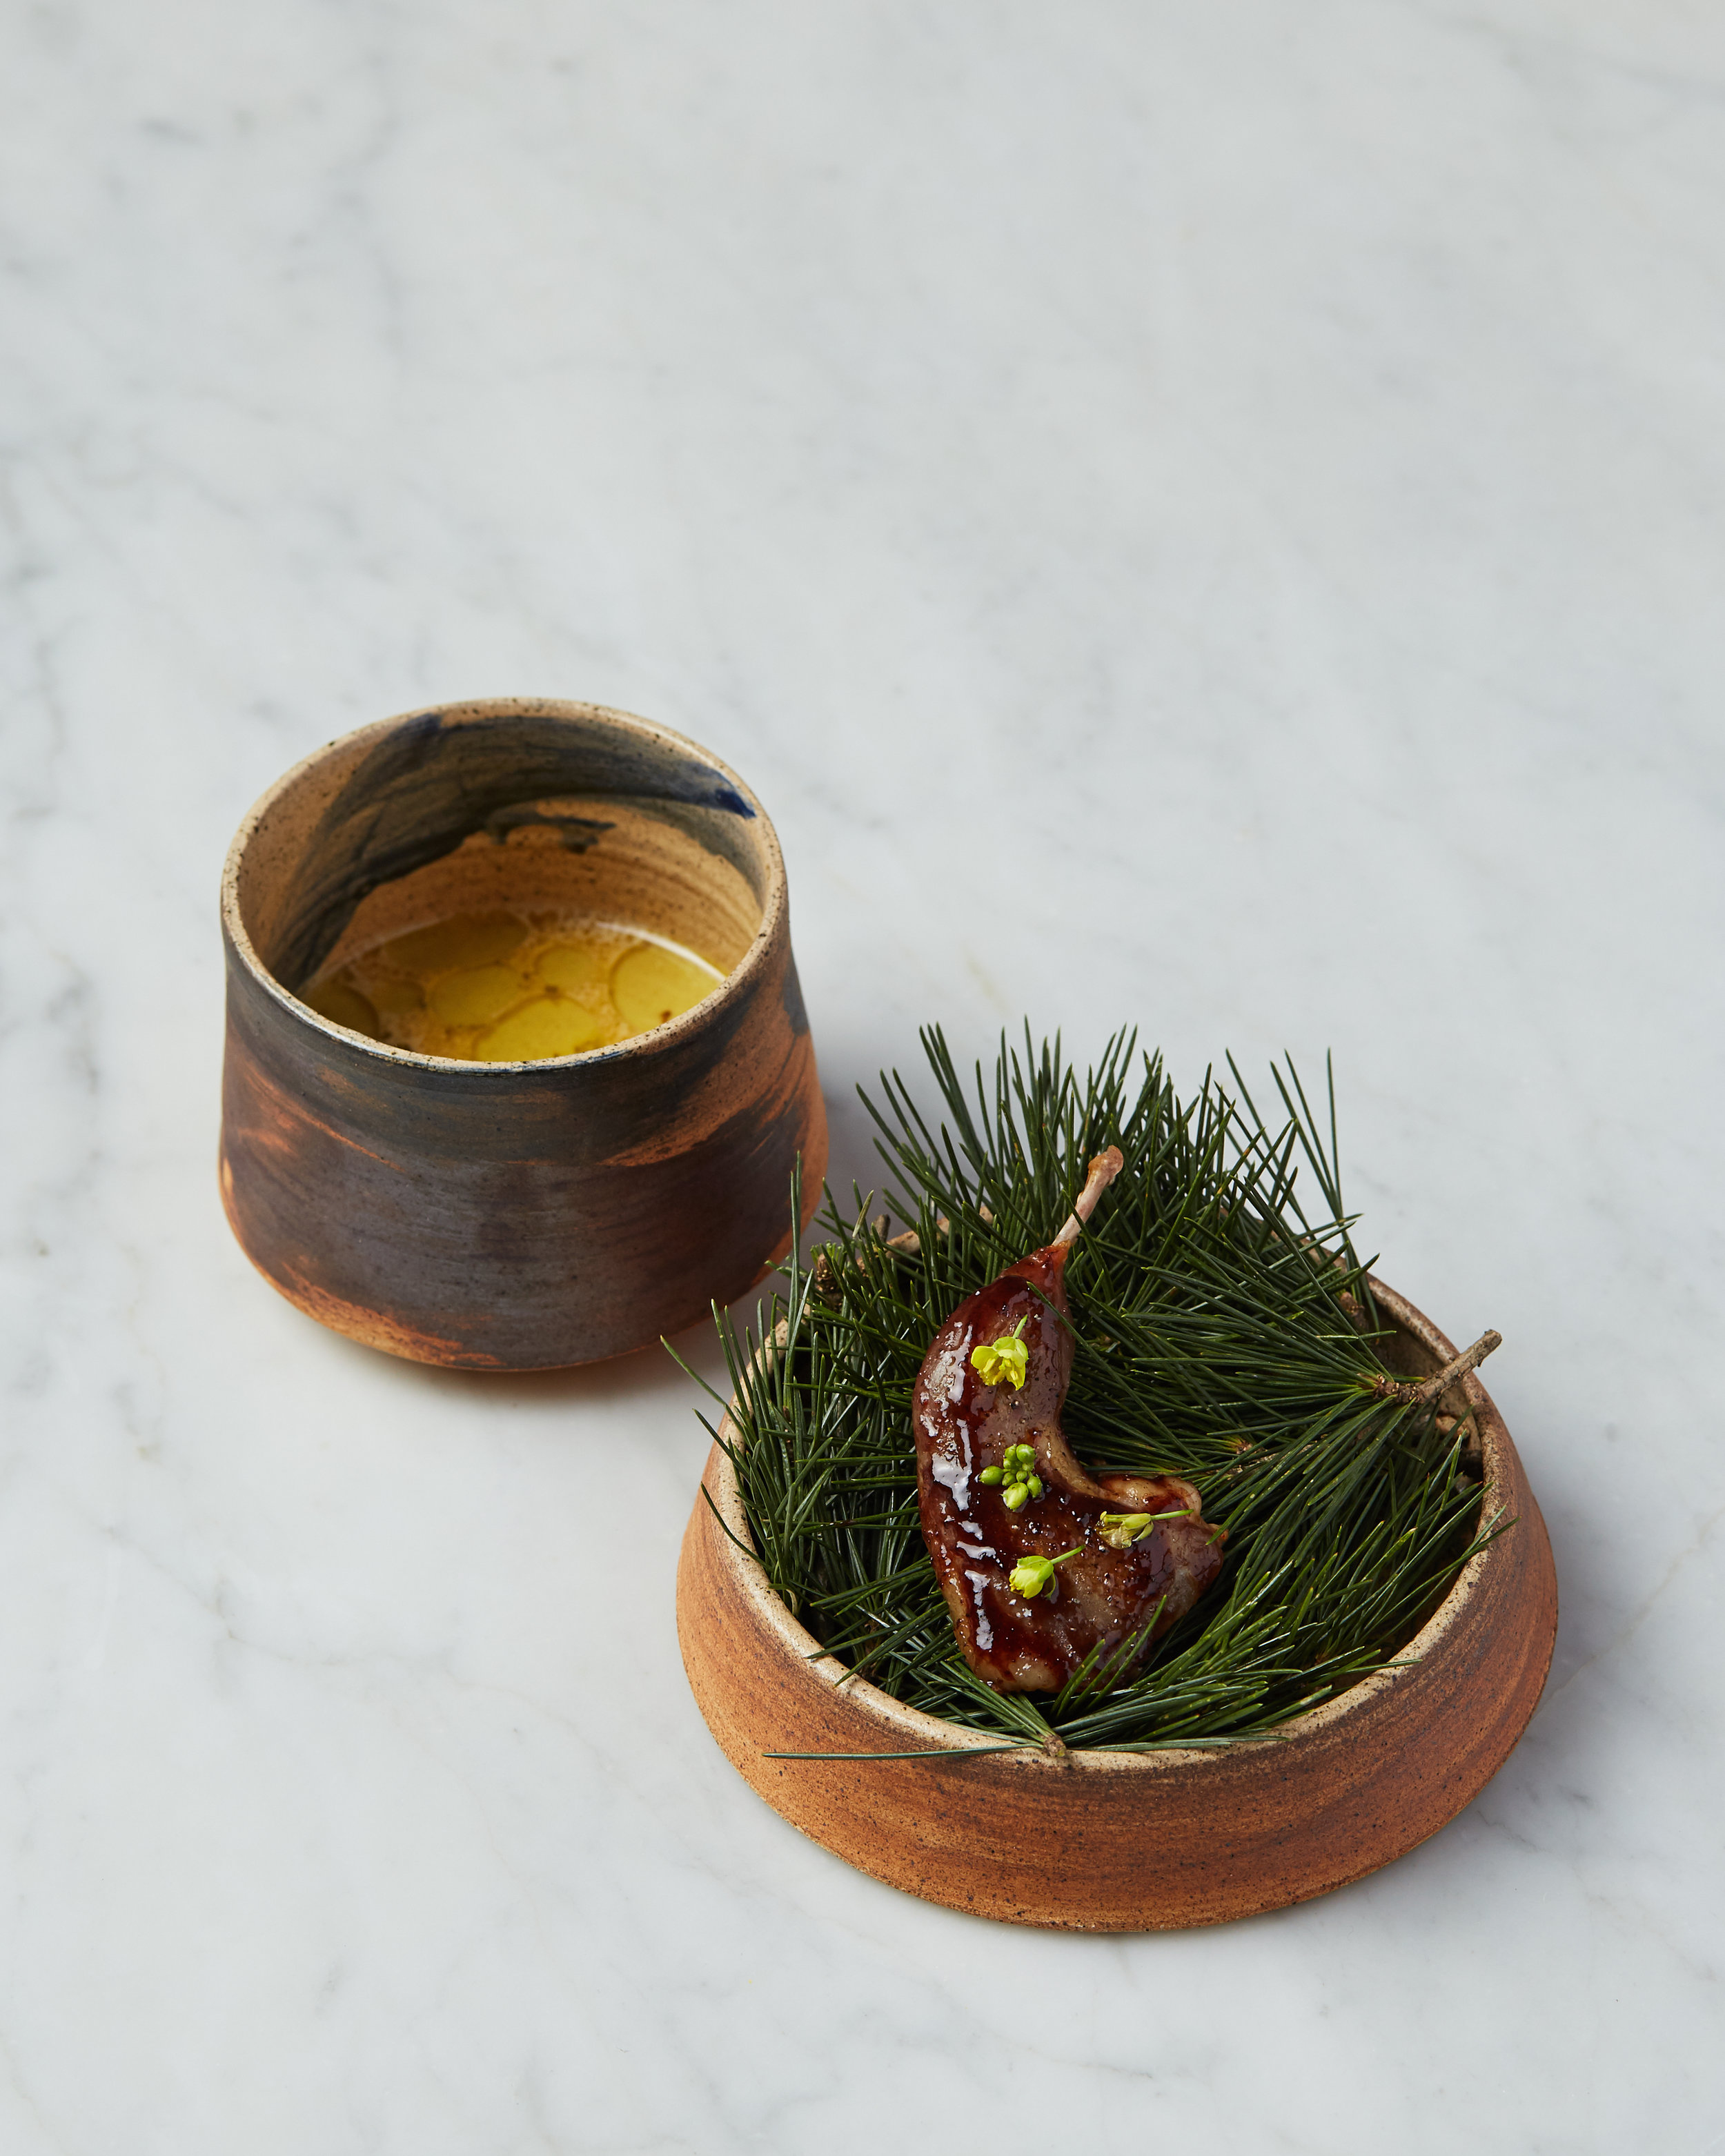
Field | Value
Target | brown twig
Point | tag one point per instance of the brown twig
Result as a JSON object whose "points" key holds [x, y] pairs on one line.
{"points": [[909, 1244], [825, 1281], [1435, 1386]]}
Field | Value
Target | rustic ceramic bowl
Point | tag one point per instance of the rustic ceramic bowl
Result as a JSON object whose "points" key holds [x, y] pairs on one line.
{"points": [[522, 1215], [1126, 1842]]}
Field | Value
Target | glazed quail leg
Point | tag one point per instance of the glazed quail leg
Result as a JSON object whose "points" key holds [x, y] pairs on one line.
{"points": [[1002, 1496]]}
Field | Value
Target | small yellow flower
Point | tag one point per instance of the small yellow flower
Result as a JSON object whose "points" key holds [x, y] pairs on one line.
{"points": [[1005, 1361], [1032, 1574], [1121, 1530]]}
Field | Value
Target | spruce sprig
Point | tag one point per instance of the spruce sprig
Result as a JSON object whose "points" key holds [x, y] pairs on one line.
{"points": [[1223, 1333]]}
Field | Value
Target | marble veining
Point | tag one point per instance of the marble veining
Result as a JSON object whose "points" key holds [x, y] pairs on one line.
{"points": [[1208, 518]]}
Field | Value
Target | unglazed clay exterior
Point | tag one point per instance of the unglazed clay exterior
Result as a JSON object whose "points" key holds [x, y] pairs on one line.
{"points": [[1121, 1842], [524, 1215]]}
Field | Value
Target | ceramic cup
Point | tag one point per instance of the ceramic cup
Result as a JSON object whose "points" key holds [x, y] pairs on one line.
{"points": [[512, 1216]]}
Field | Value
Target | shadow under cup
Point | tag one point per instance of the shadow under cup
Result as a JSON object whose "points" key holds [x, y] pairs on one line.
{"points": [[512, 1216]]}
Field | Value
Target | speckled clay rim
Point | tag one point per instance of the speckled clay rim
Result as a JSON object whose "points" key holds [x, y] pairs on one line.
{"points": [[918, 1730], [656, 1037]]}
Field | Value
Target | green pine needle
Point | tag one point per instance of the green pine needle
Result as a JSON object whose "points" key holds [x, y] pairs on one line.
{"points": [[1224, 1334]]}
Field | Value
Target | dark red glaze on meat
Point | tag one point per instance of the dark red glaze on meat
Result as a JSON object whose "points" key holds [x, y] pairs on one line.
{"points": [[1102, 1597]]}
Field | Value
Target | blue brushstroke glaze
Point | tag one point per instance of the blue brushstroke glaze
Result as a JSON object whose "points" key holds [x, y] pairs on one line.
{"points": [[794, 1008]]}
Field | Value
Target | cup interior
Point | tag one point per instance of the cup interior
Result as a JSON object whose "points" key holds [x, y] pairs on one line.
{"points": [[541, 807]]}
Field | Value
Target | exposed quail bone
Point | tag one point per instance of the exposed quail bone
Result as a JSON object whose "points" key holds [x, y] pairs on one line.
{"points": [[1108, 1585]]}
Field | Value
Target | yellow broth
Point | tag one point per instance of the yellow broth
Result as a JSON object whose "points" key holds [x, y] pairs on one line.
{"points": [[509, 987]]}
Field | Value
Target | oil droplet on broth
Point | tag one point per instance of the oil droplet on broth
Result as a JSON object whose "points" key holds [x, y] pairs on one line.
{"points": [[548, 1026], [474, 994], [650, 984], [571, 965], [464, 939], [395, 997], [499, 987], [339, 999]]}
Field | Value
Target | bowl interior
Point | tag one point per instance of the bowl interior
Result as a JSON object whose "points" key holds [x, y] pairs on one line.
{"points": [[1415, 1349]]}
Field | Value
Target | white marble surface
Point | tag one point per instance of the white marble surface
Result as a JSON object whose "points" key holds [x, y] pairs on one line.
{"points": [[1207, 516]]}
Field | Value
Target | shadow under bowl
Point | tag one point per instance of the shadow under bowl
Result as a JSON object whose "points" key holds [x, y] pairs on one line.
{"points": [[1122, 1842]]}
